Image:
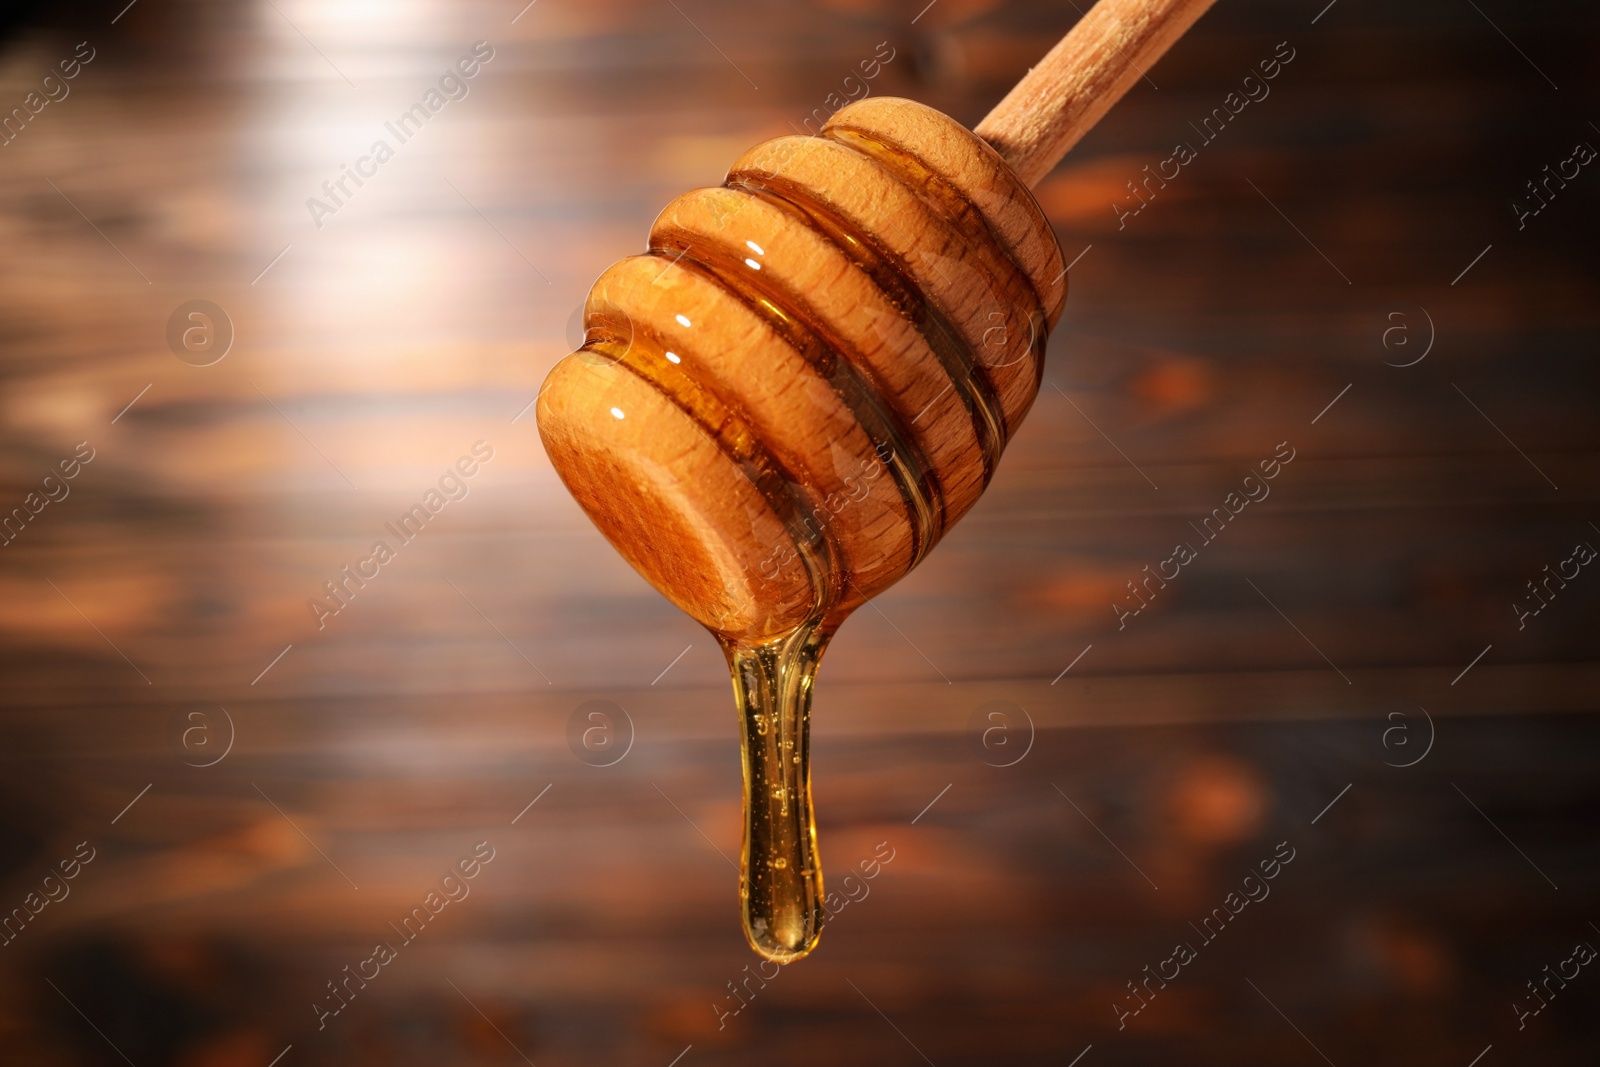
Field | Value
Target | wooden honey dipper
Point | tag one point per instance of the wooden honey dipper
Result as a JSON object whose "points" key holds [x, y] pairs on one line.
{"points": [[811, 375]]}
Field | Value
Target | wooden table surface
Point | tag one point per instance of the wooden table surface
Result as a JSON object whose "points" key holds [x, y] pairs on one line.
{"points": [[1351, 270]]}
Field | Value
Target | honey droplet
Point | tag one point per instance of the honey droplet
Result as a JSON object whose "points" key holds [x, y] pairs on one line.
{"points": [[782, 897]]}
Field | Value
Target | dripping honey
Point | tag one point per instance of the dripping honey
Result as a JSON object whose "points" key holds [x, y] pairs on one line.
{"points": [[780, 891]]}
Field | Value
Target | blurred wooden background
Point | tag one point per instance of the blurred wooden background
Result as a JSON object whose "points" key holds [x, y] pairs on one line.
{"points": [[1359, 618]]}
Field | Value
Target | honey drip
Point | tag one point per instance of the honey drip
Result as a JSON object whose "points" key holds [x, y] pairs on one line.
{"points": [[780, 882]]}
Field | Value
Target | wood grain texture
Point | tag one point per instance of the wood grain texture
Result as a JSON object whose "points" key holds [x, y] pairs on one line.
{"points": [[411, 726], [1081, 78]]}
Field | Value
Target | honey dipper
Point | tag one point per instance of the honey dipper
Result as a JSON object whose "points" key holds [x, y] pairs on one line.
{"points": [[811, 375]]}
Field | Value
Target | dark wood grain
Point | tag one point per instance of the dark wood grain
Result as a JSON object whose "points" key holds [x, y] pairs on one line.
{"points": [[430, 711]]}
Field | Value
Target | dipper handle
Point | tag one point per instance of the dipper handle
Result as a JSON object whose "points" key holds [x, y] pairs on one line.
{"points": [[1088, 70]]}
